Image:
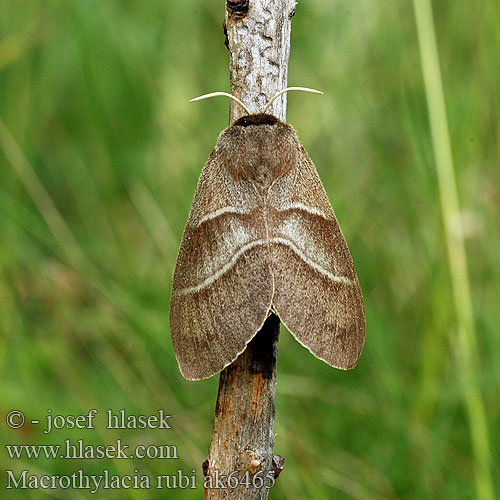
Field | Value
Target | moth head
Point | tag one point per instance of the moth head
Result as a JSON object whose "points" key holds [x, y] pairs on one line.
{"points": [[266, 147]]}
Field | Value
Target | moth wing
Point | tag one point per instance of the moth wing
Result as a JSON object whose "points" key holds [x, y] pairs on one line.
{"points": [[317, 293], [222, 286]]}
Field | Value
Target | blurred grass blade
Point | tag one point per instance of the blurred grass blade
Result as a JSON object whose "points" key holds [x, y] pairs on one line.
{"points": [[154, 219], [41, 198], [467, 344]]}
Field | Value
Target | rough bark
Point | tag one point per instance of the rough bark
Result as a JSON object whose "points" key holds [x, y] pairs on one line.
{"points": [[258, 38], [240, 464], [259, 44]]}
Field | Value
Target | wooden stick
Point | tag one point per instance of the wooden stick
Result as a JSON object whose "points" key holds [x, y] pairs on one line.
{"points": [[240, 464], [259, 44]]}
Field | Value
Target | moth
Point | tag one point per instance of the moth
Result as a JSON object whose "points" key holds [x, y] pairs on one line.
{"points": [[262, 238]]}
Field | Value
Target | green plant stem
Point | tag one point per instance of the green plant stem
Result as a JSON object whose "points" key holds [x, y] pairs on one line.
{"points": [[467, 343]]}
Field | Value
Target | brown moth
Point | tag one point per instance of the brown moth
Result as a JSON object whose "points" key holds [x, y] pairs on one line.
{"points": [[262, 238]]}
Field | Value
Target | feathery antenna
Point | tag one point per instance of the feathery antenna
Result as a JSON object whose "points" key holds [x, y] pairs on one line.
{"points": [[215, 94], [266, 107], [281, 92]]}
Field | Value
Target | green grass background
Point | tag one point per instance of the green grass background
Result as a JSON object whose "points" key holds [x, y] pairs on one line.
{"points": [[100, 152]]}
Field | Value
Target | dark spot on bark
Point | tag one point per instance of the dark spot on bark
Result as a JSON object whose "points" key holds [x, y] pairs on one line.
{"points": [[226, 39], [237, 8], [278, 465], [263, 356]]}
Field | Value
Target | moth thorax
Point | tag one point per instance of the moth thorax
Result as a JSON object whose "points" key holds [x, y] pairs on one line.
{"points": [[269, 154]]}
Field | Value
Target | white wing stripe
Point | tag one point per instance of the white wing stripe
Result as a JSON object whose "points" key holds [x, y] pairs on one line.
{"points": [[301, 206], [241, 211], [310, 262], [222, 211], [226, 267]]}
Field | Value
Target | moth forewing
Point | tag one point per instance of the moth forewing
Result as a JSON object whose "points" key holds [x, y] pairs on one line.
{"points": [[222, 286], [317, 294], [262, 237]]}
